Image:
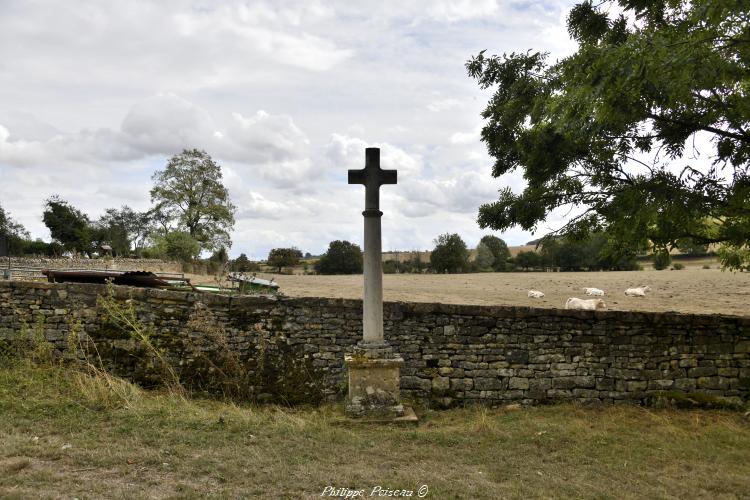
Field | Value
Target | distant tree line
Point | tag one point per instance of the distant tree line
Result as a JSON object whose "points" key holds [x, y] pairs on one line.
{"points": [[596, 252]]}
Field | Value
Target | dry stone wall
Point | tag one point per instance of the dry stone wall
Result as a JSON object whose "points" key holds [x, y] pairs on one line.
{"points": [[118, 264], [454, 354]]}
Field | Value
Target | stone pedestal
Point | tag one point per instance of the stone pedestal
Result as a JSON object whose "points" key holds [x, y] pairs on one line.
{"points": [[374, 379]]}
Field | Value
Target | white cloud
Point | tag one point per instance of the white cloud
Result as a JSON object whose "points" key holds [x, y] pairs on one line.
{"points": [[444, 105], [259, 207], [465, 137], [264, 138], [348, 152], [274, 34], [285, 95], [166, 123], [64, 149], [456, 194], [460, 10]]}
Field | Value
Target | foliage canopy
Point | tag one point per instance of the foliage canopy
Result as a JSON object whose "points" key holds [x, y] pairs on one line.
{"points": [[12, 233], [484, 258], [499, 249], [593, 253], [449, 255], [528, 260], [616, 128], [124, 228], [284, 257], [67, 225], [342, 257], [190, 191]]}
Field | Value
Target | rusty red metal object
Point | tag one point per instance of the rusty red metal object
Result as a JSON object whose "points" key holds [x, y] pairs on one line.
{"points": [[145, 279]]}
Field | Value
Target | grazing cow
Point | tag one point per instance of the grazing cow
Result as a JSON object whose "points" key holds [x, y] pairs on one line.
{"points": [[535, 294], [585, 304], [638, 291], [594, 291]]}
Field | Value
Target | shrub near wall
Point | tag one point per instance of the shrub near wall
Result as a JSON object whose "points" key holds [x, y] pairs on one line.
{"points": [[293, 349]]}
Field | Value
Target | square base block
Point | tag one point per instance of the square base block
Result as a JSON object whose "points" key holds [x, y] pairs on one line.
{"points": [[374, 386]]}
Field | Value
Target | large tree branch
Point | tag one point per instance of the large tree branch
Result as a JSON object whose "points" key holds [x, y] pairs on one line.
{"points": [[707, 128]]}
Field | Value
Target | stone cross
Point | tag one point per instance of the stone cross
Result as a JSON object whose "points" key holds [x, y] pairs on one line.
{"points": [[372, 176]]}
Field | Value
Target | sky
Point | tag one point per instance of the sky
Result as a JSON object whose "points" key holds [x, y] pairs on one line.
{"points": [[284, 95]]}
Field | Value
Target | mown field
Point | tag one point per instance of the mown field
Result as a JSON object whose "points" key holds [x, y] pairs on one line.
{"points": [[68, 435], [692, 290]]}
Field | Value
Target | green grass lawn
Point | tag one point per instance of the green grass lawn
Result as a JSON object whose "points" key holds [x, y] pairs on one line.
{"points": [[64, 434]]}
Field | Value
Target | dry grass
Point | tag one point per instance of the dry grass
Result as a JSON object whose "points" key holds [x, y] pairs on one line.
{"points": [[64, 434], [692, 290]]}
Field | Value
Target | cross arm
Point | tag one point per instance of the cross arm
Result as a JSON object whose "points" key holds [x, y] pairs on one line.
{"points": [[357, 176], [388, 176]]}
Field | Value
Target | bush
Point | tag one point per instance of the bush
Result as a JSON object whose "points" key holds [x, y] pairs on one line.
{"points": [[412, 265], [243, 265], [677, 266], [284, 257], [40, 248], [342, 257], [181, 246], [450, 254], [706, 266], [220, 256], [390, 267], [527, 260], [662, 259], [485, 259], [500, 253]]}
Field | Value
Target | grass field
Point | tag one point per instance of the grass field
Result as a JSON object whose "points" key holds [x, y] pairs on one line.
{"points": [[65, 435], [692, 289]]}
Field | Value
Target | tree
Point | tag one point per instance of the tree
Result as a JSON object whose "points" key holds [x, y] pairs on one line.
{"points": [[342, 257], [528, 260], [499, 250], [242, 264], [612, 128], [220, 256], [125, 229], [12, 233], [112, 232], [595, 252], [450, 254], [284, 257], [190, 191], [181, 246], [484, 258], [68, 225]]}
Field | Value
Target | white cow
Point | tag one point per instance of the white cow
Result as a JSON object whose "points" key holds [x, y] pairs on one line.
{"points": [[596, 292], [638, 291], [585, 304], [535, 294]]}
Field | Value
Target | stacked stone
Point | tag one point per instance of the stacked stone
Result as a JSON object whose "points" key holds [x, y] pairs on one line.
{"points": [[120, 264], [453, 354]]}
